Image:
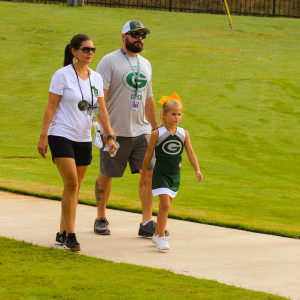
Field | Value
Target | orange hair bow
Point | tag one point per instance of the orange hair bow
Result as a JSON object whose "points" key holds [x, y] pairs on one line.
{"points": [[174, 96]]}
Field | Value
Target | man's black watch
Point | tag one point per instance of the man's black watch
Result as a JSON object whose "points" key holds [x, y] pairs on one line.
{"points": [[110, 137]]}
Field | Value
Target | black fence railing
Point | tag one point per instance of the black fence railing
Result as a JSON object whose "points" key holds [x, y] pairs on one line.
{"points": [[274, 8]]}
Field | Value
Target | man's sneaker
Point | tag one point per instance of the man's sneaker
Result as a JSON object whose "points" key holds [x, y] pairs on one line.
{"points": [[101, 226], [162, 244], [71, 243], [155, 239], [149, 229], [60, 238]]}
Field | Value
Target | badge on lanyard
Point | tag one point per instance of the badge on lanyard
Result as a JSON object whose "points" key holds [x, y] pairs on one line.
{"points": [[135, 105]]}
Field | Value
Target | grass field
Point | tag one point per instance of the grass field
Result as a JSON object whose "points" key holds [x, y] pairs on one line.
{"points": [[241, 98], [33, 272]]}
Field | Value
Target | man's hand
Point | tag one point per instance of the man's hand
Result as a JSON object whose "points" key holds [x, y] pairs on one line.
{"points": [[105, 136]]}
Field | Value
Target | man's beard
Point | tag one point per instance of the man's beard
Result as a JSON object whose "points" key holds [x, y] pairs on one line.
{"points": [[134, 47]]}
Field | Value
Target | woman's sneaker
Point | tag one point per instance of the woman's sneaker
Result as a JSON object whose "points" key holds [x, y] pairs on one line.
{"points": [[60, 238], [71, 243], [162, 244]]}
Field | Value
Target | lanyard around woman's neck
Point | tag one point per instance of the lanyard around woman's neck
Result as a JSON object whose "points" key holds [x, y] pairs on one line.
{"points": [[80, 86], [135, 75]]}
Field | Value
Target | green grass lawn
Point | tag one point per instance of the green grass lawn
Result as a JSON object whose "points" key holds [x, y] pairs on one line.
{"points": [[240, 93], [32, 272]]}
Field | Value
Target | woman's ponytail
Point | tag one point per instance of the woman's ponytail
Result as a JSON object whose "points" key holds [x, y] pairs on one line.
{"points": [[68, 55]]}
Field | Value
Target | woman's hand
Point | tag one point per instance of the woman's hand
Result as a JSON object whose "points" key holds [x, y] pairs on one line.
{"points": [[43, 146]]}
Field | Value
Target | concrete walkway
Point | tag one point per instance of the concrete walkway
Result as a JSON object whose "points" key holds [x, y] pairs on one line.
{"points": [[250, 260]]}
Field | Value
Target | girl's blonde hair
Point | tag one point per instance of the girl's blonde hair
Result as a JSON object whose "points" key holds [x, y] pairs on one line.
{"points": [[166, 107]]}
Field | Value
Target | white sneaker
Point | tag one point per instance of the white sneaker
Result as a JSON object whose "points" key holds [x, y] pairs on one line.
{"points": [[155, 238], [162, 244]]}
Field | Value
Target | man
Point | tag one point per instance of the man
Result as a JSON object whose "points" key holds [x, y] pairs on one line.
{"points": [[127, 81]]}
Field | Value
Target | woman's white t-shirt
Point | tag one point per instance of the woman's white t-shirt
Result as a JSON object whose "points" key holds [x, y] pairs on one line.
{"points": [[68, 121]]}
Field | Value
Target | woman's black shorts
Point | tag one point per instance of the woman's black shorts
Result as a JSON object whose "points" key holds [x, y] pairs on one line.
{"points": [[62, 147]]}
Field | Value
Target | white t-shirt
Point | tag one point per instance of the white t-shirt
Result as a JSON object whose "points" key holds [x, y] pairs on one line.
{"points": [[126, 108], [68, 121]]}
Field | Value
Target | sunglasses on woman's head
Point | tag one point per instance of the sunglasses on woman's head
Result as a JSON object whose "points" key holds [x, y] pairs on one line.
{"points": [[88, 49], [136, 34]]}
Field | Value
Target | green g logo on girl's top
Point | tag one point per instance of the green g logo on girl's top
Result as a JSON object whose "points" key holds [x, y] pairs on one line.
{"points": [[172, 147]]}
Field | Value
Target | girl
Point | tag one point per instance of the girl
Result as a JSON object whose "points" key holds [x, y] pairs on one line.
{"points": [[75, 93], [168, 141]]}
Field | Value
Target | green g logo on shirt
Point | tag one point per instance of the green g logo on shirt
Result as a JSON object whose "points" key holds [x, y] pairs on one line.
{"points": [[172, 147], [129, 80], [95, 91], [141, 82]]}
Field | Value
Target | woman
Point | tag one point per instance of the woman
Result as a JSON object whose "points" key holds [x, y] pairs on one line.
{"points": [[74, 95]]}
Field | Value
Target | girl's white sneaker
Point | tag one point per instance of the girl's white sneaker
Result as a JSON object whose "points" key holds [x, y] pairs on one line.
{"points": [[162, 243], [155, 238]]}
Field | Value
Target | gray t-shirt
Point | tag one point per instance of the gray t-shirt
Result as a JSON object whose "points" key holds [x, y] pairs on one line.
{"points": [[125, 104]]}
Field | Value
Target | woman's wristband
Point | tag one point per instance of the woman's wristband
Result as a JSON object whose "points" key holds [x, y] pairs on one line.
{"points": [[155, 128], [110, 137]]}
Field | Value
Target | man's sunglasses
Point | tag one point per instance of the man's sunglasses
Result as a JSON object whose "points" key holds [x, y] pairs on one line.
{"points": [[87, 49], [136, 34]]}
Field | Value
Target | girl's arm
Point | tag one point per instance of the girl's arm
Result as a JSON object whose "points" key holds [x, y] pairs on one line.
{"points": [[49, 113], [192, 156], [148, 157]]}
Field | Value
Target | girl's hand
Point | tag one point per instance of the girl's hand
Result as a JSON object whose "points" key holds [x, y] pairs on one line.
{"points": [[43, 146], [199, 176]]}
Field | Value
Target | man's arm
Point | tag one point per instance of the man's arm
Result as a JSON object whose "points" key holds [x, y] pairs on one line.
{"points": [[105, 91], [150, 112]]}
